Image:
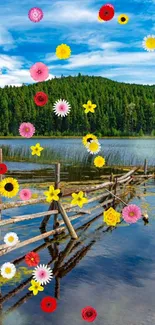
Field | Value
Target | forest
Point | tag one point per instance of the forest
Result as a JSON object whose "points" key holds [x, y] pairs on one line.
{"points": [[122, 109]]}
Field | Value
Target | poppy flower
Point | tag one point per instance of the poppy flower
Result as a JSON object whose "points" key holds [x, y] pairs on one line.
{"points": [[89, 314], [40, 98], [32, 259], [3, 169], [106, 12], [48, 304]]}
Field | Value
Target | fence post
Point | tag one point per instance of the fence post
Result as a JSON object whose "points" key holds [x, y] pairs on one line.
{"points": [[57, 185], [145, 167]]}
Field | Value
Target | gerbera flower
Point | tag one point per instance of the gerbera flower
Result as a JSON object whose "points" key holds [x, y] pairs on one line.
{"points": [[93, 147], [9, 187], [131, 213], [61, 107], [48, 304], [35, 14], [78, 199], [111, 217], [40, 98], [89, 107], [3, 169], [88, 138], [42, 274], [39, 71], [35, 287], [11, 239], [8, 270], [106, 12], [123, 19], [63, 51], [36, 150], [99, 161], [26, 130], [25, 194], [149, 43], [32, 259], [89, 314], [52, 194]]}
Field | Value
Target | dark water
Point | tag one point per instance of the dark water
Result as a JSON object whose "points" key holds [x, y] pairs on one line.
{"points": [[110, 271]]}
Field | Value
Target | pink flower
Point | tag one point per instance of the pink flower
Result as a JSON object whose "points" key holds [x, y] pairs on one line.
{"points": [[26, 130], [35, 14], [39, 71], [132, 213], [42, 274], [61, 108], [25, 194]]}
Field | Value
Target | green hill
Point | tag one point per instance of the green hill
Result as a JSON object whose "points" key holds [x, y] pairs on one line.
{"points": [[122, 109]]}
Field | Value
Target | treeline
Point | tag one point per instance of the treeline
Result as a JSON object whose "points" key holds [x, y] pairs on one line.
{"points": [[122, 109]]}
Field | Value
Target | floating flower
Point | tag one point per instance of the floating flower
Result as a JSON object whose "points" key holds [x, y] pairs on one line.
{"points": [[89, 314], [89, 107], [149, 43], [78, 199], [42, 274], [3, 169], [61, 108], [40, 98], [111, 217], [8, 270], [88, 138], [52, 194], [35, 14], [39, 71], [11, 239], [25, 194], [26, 130], [106, 12], [9, 187], [32, 259], [93, 147], [99, 161], [131, 213], [48, 304], [123, 19], [63, 51], [35, 287], [36, 150], [101, 20]]}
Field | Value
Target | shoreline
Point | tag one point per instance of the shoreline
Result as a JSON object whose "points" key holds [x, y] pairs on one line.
{"points": [[76, 137]]}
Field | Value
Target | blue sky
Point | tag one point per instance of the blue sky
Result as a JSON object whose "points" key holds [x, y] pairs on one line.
{"points": [[104, 49]]}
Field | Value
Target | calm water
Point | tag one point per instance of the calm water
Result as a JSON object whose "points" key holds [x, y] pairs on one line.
{"points": [[114, 272]]}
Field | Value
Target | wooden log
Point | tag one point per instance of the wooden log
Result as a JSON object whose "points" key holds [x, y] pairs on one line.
{"points": [[129, 173], [10, 205], [57, 184], [67, 221]]}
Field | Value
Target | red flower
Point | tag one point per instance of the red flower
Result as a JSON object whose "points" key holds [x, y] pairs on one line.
{"points": [[89, 314], [3, 169], [106, 12], [32, 259], [48, 304], [40, 98]]}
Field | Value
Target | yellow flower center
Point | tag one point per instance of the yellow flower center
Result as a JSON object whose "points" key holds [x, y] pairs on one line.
{"points": [[89, 106], [8, 270], [36, 286], [27, 129], [131, 214], [93, 146], [79, 199], [11, 239], [32, 259], [150, 43]]}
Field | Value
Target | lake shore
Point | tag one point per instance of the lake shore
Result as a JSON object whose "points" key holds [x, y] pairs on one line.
{"points": [[78, 137]]}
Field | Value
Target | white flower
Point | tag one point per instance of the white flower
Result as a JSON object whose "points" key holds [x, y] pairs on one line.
{"points": [[11, 239], [93, 147], [42, 274], [61, 108], [149, 43], [8, 270]]}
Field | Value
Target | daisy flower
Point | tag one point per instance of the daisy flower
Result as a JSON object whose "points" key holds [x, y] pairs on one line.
{"points": [[40, 98], [39, 71], [106, 12], [42, 274], [131, 213], [88, 138], [35, 14], [11, 239], [149, 43], [8, 270], [61, 108], [123, 19], [25, 194], [26, 130], [93, 147], [99, 161], [63, 51]]}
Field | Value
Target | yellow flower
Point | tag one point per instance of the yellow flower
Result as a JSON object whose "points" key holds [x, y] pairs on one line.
{"points": [[93, 147], [99, 161], [123, 19], [35, 287], [9, 187], [63, 51], [78, 199], [89, 107], [111, 217], [149, 43], [101, 20], [36, 150], [52, 194], [88, 138]]}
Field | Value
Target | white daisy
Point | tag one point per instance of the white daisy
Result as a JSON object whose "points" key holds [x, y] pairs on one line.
{"points": [[61, 108], [42, 274], [149, 43], [11, 239], [8, 270], [93, 147]]}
